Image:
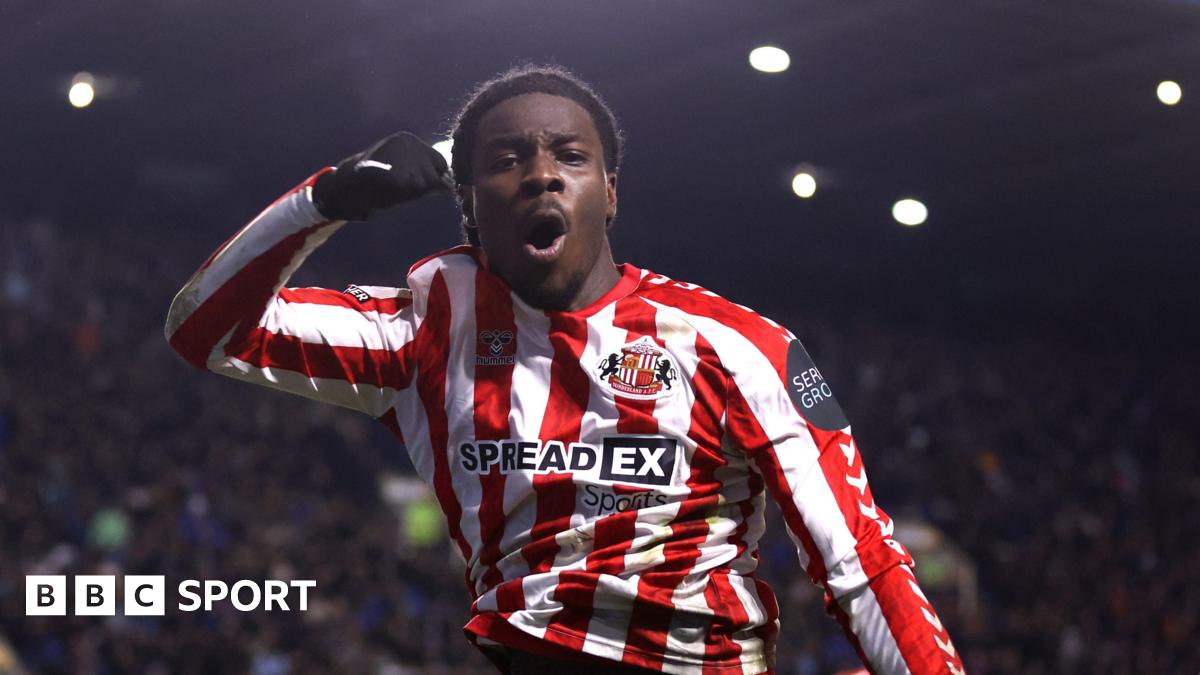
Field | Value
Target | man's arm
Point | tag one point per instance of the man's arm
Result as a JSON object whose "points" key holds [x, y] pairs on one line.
{"points": [[235, 317], [783, 413]]}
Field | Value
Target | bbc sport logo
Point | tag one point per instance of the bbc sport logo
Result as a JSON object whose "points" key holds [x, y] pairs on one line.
{"points": [[146, 595]]}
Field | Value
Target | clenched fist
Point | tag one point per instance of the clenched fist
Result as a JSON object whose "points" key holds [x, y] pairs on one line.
{"points": [[396, 169]]}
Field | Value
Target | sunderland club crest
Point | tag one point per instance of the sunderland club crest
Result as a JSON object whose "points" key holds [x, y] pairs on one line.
{"points": [[641, 370]]}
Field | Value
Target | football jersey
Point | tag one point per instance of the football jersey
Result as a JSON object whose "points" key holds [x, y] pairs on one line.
{"points": [[603, 472]]}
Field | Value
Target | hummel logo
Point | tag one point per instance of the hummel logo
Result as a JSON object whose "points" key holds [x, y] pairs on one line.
{"points": [[495, 340], [498, 351]]}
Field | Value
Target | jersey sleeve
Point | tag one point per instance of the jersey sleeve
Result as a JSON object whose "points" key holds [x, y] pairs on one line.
{"points": [[235, 317], [783, 413]]}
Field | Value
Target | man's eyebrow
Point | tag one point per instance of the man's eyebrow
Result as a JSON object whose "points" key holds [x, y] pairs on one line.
{"points": [[515, 140]]}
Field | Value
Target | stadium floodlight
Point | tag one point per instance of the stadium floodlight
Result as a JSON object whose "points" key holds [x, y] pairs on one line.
{"points": [[82, 91], [769, 59], [1169, 92], [804, 185], [909, 212]]}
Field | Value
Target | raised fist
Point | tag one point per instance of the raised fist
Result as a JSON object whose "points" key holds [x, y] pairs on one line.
{"points": [[396, 169]]}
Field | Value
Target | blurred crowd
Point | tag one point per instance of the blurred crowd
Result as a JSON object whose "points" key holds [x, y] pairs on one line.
{"points": [[1065, 476]]}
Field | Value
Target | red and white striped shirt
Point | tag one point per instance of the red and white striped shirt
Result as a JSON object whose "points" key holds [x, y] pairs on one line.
{"points": [[603, 472]]}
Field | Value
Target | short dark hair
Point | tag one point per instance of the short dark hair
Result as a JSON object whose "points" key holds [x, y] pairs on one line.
{"points": [[529, 79]]}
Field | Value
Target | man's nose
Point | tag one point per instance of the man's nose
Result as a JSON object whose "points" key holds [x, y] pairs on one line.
{"points": [[542, 176]]}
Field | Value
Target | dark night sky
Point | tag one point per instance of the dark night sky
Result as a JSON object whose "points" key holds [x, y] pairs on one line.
{"points": [[1062, 193]]}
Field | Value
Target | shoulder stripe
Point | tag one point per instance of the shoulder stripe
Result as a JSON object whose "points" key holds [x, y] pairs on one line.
{"points": [[324, 296], [493, 403], [433, 345], [264, 349], [202, 320]]}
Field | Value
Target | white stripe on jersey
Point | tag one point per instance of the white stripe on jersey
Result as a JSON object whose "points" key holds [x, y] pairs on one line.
{"points": [[460, 402], [362, 397], [337, 326], [794, 448], [798, 456], [528, 400], [874, 634], [294, 213], [601, 410], [412, 418], [610, 616], [689, 626], [539, 602], [752, 645]]}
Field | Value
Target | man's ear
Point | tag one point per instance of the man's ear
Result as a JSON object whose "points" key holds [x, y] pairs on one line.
{"points": [[466, 199], [611, 179]]}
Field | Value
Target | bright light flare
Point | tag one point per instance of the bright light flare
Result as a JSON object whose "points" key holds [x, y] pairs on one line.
{"points": [[804, 185], [909, 212], [82, 92], [1169, 92], [445, 147], [770, 59]]}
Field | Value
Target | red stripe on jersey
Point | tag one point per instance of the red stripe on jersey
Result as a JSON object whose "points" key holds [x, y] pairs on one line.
{"points": [[239, 302], [914, 634], [568, 398], [729, 618], [767, 601], [874, 556], [911, 632], [565, 406], [635, 416], [356, 365], [308, 181], [708, 384], [769, 629], [653, 612], [493, 402], [325, 296], [772, 341], [612, 533], [746, 433], [433, 346], [510, 597]]}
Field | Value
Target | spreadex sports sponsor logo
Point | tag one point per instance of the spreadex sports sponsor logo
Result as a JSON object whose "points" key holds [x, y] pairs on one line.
{"points": [[637, 460], [604, 501]]}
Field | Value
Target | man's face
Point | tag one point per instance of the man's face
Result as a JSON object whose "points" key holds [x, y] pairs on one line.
{"points": [[542, 200]]}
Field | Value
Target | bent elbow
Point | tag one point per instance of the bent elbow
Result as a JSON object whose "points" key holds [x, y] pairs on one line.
{"points": [[184, 338]]}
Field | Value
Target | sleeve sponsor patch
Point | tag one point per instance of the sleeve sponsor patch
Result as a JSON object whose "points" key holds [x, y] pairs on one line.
{"points": [[357, 293], [810, 393]]}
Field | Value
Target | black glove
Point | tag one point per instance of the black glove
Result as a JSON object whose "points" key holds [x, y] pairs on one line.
{"points": [[397, 169]]}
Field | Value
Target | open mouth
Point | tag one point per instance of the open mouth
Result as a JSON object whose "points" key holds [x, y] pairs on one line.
{"points": [[546, 229], [544, 233]]}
